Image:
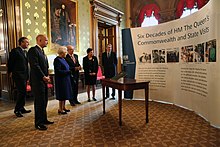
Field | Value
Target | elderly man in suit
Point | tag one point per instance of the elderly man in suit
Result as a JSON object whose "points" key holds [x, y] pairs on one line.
{"points": [[72, 60], [18, 70], [39, 78], [109, 62]]}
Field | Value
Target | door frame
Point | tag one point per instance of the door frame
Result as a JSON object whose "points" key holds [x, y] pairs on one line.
{"points": [[105, 29], [105, 13]]}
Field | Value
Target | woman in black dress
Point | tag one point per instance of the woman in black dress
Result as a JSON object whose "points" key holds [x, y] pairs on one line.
{"points": [[62, 80], [90, 66]]}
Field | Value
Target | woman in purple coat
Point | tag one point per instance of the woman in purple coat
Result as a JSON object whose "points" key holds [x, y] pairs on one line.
{"points": [[62, 80]]}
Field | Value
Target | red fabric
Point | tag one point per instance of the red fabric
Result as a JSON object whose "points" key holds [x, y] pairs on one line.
{"points": [[50, 85], [148, 10], [101, 77], [190, 4], [99, 74], [180, 8], [201, 3], [156, 12], [28, 88], [141, 16]]}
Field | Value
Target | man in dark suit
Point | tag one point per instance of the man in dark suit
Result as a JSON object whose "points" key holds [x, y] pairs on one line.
{"points": [[72, 60], [39, 79], [18, 71], [109, 62]]}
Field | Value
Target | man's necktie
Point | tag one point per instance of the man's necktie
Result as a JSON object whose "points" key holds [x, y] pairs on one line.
{"points": [[25, 53], [73, 58], [44, 54]]}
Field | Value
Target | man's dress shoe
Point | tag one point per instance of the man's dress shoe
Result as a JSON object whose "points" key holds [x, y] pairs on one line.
{"points": [[18, 114], [41, 127], [72, 104], [113, 98], [77, 102], [48, 122], [25, 111]]}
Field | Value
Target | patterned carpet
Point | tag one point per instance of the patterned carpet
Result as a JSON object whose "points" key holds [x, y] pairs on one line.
{"points": [[86, 126]]}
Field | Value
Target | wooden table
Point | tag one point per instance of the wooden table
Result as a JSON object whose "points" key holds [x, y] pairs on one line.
{"points": [[125, 84]]}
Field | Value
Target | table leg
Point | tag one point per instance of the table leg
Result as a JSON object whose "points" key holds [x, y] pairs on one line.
{"points": [[120, 106], [103, 96], [146, 103]]}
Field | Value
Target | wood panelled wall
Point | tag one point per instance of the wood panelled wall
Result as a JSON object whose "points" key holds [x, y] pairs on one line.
{"points": [[10, 32]]}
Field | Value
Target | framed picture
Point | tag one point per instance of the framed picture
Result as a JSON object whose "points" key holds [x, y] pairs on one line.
{"points": [[63, 23]]}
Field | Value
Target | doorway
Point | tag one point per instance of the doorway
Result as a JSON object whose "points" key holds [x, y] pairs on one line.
{"points": [[105, 24], [106, 35]]}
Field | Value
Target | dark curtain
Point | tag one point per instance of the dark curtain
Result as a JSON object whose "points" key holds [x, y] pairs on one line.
{"points": [[200, 3], [190, 4]]}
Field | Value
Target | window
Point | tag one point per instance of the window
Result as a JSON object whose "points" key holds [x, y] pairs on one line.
{"points": [[149, 15], [149, 21], [187, 7], [187, 12]]}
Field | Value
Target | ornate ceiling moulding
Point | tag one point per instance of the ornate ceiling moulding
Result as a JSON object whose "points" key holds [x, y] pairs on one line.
{"points": [[106, 13]]}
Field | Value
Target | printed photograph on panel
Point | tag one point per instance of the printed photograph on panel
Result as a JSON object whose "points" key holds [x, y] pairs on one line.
{"points": [[187, 53], [145, 58], [199, 53], [210, 51], [172, 55], [158, 56]]}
